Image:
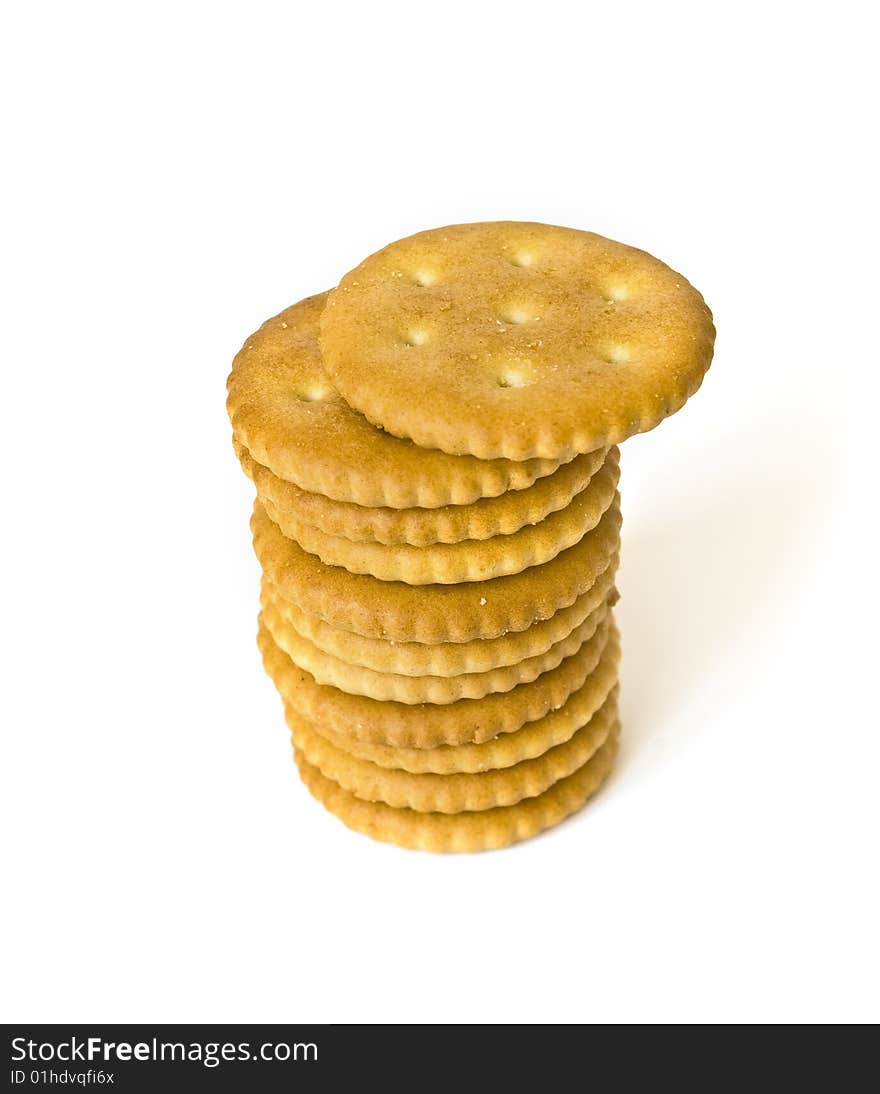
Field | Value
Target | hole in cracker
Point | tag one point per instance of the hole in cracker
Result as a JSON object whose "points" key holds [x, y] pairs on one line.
{"points": [[616, 292], [513, 378], [424, 278], [313, 394], [517, 315], [522, 258], [415, 338], [617, 354]]}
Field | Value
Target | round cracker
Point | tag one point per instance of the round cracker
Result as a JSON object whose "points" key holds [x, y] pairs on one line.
{"points": [[498, 516], [414, 690], [515, 340], [459, 793], [449, 658], [533, 739], [432, 613], [468, 721], [286, 411], [482, 830], [470, 560]]}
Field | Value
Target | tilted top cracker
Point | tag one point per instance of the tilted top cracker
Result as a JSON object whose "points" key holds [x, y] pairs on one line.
{"points": [[515, 340]]}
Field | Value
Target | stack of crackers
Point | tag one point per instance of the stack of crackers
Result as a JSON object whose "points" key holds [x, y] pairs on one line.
{"points": [[434, 449]]}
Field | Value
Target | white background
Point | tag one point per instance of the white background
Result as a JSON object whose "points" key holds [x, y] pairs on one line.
{"points": [[176, 173]]}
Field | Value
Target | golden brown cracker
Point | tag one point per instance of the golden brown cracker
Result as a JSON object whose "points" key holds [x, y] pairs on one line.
{"points": [[432, 613], [481, 830], [505, 750], [428, 725], [415, 690], [286, 411], [450, 658], [469, 560], [419, 527], [515, 340], [452, 793]]}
